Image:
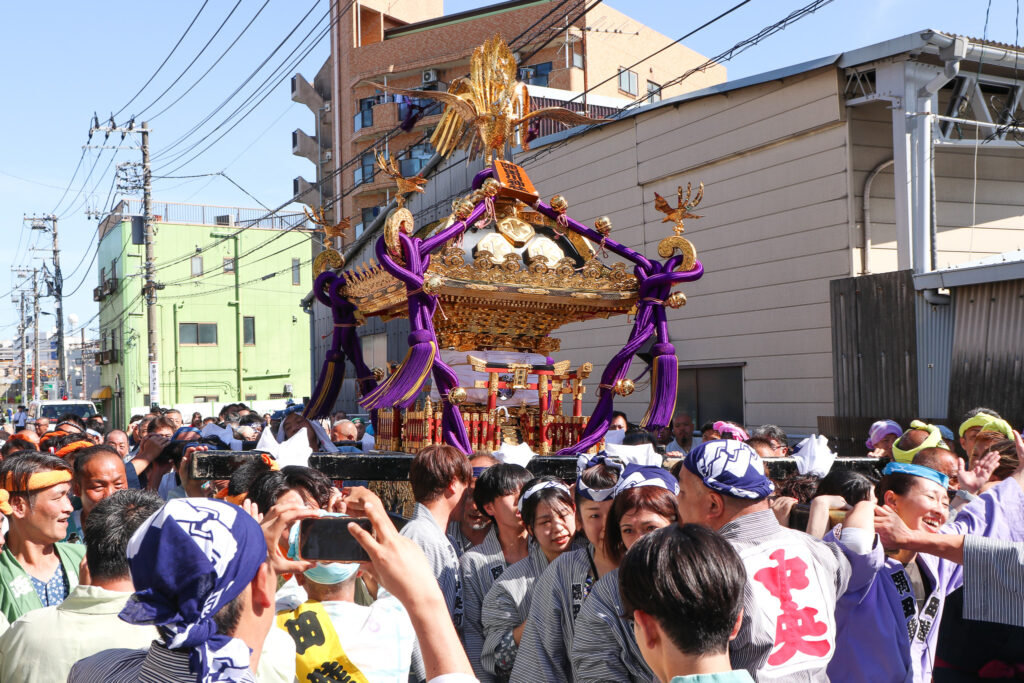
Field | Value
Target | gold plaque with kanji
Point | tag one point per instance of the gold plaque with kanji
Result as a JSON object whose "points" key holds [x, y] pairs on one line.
{"points": [[514, 182]]}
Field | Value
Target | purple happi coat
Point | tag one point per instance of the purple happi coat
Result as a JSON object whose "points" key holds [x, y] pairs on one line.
{"points": [[881, 637]]}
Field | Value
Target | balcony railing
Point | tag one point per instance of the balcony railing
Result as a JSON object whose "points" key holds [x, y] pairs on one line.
{"points": [[425, 107], [363, 119], [411, 167]]}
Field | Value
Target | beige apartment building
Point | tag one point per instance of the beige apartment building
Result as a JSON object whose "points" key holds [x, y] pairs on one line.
{"points": [[412, 44], [853, 208]]}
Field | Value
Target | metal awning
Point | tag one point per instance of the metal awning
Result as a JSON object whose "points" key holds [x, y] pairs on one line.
{"points": [[102, 393]]}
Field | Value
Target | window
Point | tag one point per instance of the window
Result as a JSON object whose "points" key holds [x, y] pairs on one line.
{"points": [[249, 330], [577, 60], [197, 334], [364, 117], [229, 265], [627, 81], [249, 398], [711, 393], [535, 74], [209, 398], [296, 279], [369, 214], [113, 268], [653, 92], [364, 173], [197, 266]]}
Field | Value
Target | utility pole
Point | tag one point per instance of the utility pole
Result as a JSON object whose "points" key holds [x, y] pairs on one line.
{"points": [[50, 223], [85, 392], [35, 334], [24, 350], [149, 287]]}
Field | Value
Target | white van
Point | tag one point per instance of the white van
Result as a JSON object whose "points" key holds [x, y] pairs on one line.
{"points": [[54, 409]]}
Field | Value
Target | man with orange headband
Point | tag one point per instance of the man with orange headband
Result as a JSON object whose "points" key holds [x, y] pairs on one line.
{"points": [[36, 568]]}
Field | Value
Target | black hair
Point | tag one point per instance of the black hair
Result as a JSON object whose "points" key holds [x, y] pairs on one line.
{"points": [[250, 420], [637, 436], [619, 413], [803, 487], [852, 486], [97, 424], [109, 527], [655, 499], [267, 488], [73, 419], [549, 495], [980, 410], [771, 432], [242, 479], [434, 468], [84, 455], [497, 481], [27, 463], [599, 477], [690, 580], [897, 482]]}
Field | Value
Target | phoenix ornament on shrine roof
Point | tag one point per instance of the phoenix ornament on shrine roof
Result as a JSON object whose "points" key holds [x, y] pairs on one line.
{"points": [[487, 109]]}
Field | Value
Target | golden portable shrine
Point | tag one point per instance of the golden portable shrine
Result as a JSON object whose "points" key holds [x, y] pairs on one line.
{"points": [[485, 289]]}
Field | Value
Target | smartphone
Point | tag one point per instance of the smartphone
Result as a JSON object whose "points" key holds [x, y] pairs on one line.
{"points": [[328, 539], [220, 464]]}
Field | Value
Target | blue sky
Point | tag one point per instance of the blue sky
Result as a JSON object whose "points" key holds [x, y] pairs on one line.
{"points": [[65, 60]]}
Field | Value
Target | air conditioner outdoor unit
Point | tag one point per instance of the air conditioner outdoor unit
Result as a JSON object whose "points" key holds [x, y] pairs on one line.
{"points": [[327, 155], [288, 388], [429, 76]]}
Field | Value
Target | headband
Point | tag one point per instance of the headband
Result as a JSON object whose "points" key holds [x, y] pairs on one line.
{"points": [[237, 500], [77, 429], [583, 464], [189, 429], [537, 488], [635, 476], [188, 560], [723, 427], [72, 447], [477, 471], [933, 440], [36, 482], [880, 430], [988, 423], [730, 467], [917, 471]]}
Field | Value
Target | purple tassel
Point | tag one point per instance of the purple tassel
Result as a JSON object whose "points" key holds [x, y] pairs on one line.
{"points": [[664, 373], [401, 389]]}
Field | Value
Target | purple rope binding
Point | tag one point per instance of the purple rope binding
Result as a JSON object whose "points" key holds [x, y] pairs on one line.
{"points": [[345, 345], [655, 284], [402, 388]]}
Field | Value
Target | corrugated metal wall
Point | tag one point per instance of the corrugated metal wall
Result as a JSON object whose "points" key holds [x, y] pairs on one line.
{"points": [[874, 352], [988, 350], [934, 354]]}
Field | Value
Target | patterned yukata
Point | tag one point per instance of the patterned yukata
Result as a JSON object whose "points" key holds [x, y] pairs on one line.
{"points": [[793, 582], [557, 599], [505, 607], [481, 566], [604, 647], [883, 636]]}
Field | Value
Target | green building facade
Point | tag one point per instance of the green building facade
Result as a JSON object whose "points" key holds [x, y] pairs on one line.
{"points": [[229, 323]]}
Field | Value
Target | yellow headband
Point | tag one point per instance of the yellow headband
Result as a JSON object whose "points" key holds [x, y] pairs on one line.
{"points": [[36, 482], [933, 440], [988, 423]]}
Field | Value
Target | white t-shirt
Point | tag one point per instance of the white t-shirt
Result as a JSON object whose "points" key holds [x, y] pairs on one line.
{"points": [[378, 639]]}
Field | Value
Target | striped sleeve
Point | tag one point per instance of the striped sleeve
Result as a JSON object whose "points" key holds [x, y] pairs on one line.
{"points": [[476, 579], [504, 608], [544, 648], [993, 580], [603, 645]]}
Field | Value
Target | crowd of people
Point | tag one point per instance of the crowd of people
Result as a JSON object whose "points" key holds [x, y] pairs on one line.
{"points": [[118, 565]]}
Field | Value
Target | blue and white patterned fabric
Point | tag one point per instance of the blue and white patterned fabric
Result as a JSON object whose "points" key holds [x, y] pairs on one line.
{"points": [[188, 560], [537, 488], [730, 467], [583, 464], [645, 475], [54, 591]]}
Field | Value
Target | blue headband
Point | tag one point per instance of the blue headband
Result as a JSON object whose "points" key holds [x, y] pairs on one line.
{"points": [[917, 471], [188, 560], [730, 467], [477, 471], [583, 464], [188, 429], [645, 475]]}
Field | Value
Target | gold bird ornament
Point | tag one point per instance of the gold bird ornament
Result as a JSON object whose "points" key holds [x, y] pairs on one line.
{"points": [[490, 105], [683, 206], [330, 229], [389, 166]]}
